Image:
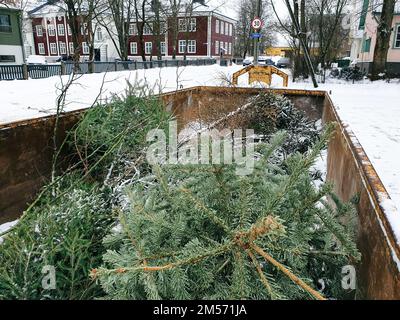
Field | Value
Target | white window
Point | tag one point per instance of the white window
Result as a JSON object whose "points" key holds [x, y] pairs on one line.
{"points": [[182, 46], [39, 31], [133, 47], [85, 48], [52, 31], [148, 47], [226, 28], [63, 47], [53, 48], [162, 48], [222, 27], [147, 29], [69, 30], [71, 48], [61, 29], [84, 29], [397, 37], [230, 48], [217, 47], [192, 25], [99, 34], [41, 48], [132, 29], [226, 48], [217, 26], [230, 30], [182, 25], [191, 46]]}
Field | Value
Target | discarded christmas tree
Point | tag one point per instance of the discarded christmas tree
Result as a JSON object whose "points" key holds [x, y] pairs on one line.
{"points": [[203, 232]]}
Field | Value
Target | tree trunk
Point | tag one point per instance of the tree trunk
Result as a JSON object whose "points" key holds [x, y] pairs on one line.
{"points": [[383, 39]]}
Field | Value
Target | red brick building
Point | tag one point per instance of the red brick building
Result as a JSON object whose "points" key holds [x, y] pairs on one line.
{"points": [[203, 34]]}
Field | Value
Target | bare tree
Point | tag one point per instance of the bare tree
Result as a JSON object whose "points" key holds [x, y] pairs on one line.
{"points": [[382, 45]]}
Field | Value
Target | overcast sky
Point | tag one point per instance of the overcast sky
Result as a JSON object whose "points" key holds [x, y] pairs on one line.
{"points": [[230, 8]]}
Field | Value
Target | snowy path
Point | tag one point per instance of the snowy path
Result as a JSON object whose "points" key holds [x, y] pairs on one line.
{"points": [[371, 109]]}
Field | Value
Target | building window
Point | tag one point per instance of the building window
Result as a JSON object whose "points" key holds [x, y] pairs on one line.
{"points": [[222, 27], [191, 46], [182, 46], [230, 48], [69, 30], [182, 25], [71, 48], [163, 27], [5, 23], [61, 29], [85, 48], [397, 37], [39, 31], [162, 48], [99, 34], [148, 47], [192, 25], [132, 29], [133, 47], [147, 29], [84, 29], [63, 47], [367, 45], [217, 26], [41, 48], [53, 48], [226, 28], [7, 58], [230, 30], [216, 47], [52, 30]]}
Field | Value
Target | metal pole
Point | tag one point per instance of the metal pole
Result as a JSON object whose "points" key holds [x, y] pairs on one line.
{"points": [[257, 40]]}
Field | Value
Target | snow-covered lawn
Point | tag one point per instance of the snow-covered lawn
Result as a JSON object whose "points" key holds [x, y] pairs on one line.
{"points": [[370, 109]]}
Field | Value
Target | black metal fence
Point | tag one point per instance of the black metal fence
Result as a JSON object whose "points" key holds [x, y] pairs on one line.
{"points": [[40, 71]]}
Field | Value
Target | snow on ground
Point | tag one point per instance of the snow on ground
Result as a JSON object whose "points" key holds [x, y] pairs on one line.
{"points": [[370, 109]]}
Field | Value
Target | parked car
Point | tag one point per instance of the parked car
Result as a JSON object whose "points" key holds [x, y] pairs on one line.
{"points": [[65, 57], [264, 61], [248, 61], [283, 63]]}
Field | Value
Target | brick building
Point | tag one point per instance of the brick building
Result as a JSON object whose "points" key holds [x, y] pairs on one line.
{"points": [[203, 34]]}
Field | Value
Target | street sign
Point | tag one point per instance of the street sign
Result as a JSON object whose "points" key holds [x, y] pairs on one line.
{"points": [[257, 23], [255, 35]]}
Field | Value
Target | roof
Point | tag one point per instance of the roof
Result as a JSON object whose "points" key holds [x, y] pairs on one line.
{"points": [[9, 7]]}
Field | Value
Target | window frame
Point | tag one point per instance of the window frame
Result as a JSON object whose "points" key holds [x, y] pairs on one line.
{"points": [[85, 48], [37, 28], [99, 31], [51, 30], [148, 52], [217, 47], [190, 45], [163, 47], [59, 28], [53, 45], [132, 45], [63, 47], [181, 44], [41, 46], [396, 36], [217, 26], [7, 28]]}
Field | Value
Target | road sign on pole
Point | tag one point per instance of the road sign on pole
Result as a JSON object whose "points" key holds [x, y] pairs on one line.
{"points": [[257, 23], [255, 35]]}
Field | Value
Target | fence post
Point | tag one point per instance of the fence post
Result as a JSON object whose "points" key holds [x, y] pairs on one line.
{"points": [[115, 65], [25, 71], [63, 68]]}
